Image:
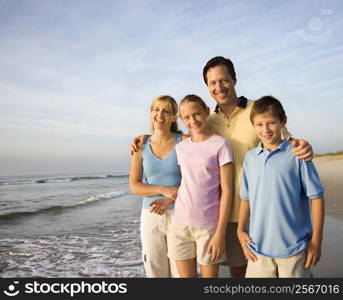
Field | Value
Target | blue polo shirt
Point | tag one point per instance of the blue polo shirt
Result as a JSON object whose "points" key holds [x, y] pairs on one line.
{"points": [[278, 186]]}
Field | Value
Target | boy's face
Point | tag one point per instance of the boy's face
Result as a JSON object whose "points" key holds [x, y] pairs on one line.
{"points": [[268, 129], [194, 116]]}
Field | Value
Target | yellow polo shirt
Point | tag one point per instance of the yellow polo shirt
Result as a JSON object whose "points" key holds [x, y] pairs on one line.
{"points": [[238, 130]]}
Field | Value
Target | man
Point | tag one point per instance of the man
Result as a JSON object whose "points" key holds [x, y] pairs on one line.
{"points": [[230, 119]]}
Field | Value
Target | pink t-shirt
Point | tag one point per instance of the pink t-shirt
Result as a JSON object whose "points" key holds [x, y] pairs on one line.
{"points": [[198, 198]]}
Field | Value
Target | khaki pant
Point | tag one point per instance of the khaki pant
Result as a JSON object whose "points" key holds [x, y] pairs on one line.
{"points": [[155, 243], [286, 267]]}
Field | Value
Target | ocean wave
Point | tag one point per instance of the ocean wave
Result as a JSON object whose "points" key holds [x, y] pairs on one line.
{"points": [[57, 208], [72, 256], [62, 179]]}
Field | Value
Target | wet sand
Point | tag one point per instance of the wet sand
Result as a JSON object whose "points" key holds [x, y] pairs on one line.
{"points": [[330, 169]]}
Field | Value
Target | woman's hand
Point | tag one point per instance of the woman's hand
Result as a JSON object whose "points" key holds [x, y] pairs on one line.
{"points": [[159, 206]]}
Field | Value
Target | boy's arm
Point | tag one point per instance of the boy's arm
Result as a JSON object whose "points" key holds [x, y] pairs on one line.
{"points": [[244, 238], [139, 188], [217, 242], [314, 245]]}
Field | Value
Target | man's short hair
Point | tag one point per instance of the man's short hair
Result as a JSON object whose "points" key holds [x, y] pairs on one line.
{"points": [[217, 61], [268, 105]]}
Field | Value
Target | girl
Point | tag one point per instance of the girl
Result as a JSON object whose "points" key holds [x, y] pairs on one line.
{"points": [[156, 162], [203, 201]]}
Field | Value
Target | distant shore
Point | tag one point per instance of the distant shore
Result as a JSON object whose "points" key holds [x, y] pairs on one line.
{"points": [[329, 156]]}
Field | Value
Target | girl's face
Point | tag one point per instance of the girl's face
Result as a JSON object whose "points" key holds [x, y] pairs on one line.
{"points": [[194, 116], [162, 115]]}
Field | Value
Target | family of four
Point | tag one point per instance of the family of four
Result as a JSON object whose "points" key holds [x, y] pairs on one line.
{"points": [[236, 191]]}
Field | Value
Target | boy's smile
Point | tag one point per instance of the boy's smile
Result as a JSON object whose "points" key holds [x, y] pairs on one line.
{"points": [[268, 130]]}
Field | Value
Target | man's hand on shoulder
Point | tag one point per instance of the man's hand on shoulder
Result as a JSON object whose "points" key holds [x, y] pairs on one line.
{"points": [[303, 149], [137, 143]]}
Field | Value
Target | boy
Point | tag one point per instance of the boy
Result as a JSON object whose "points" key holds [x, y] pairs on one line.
{"points": [[276, 186]]}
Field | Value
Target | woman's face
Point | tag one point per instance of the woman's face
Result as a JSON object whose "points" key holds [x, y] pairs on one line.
{"points": [[162, 115]]}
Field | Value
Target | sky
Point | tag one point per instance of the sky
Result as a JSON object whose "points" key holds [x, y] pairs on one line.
{"points": [[77, 77]]}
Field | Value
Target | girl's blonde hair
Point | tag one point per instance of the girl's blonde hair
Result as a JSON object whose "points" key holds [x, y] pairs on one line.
{"points": [[173, 108], [194, 99]]}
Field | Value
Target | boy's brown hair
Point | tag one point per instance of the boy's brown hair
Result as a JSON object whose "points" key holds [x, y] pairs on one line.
{"points": [[269, 105]]}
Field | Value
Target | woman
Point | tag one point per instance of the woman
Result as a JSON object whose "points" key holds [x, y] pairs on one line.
{"points": [[156, 162]]}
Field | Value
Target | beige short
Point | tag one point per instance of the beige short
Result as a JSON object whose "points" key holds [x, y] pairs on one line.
{"points": [[155, 232], [187, 242], [234, 254], [286, 267]]}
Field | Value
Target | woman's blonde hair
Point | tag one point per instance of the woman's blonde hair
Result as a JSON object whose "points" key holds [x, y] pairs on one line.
{"points": [[173, 108]]}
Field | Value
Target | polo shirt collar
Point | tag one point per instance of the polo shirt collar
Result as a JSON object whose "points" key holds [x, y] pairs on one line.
{"points": [[283, 146], [242, 103]]}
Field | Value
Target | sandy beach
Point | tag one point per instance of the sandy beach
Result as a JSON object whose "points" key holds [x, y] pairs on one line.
{"points": [[330, 169]]}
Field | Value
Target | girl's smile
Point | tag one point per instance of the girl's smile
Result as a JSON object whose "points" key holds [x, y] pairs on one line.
{"points": [[194, 117]]}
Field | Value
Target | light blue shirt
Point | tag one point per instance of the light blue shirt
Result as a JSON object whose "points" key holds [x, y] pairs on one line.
{"points": [[158, 171], [278, 186]]}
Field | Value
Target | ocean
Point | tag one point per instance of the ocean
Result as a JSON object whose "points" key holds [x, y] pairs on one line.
{"points": [[75, 225], [87, 225]]}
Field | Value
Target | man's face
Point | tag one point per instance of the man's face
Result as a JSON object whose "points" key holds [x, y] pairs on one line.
{"points": [[221, 85]]}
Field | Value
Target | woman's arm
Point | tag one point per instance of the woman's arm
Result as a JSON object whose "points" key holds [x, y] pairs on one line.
{"points": [[142, 189]]}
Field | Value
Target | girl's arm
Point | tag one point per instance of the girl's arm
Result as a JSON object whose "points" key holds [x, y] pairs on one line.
{"points": [[315, 244], [139, 188], [217, 243]]}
